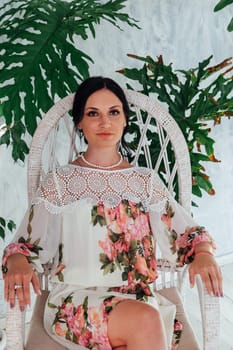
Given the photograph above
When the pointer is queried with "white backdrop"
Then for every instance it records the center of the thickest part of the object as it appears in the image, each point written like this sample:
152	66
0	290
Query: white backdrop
184	32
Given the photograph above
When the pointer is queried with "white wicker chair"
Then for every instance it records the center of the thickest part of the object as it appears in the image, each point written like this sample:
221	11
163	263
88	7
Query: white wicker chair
169	134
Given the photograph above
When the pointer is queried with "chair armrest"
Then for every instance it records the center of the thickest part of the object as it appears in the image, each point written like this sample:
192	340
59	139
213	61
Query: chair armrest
209	304
15	327
210	314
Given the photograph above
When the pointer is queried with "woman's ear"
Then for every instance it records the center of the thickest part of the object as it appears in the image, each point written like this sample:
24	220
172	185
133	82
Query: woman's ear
79	127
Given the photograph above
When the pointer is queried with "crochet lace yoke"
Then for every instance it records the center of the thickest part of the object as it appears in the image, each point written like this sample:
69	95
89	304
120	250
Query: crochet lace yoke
71	183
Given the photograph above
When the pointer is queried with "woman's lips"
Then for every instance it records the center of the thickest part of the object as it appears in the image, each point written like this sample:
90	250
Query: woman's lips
104	134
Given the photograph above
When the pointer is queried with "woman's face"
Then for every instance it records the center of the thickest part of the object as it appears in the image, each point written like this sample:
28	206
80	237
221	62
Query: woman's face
103	119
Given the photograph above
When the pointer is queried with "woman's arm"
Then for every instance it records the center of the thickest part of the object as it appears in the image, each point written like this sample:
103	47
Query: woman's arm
182	240
35	243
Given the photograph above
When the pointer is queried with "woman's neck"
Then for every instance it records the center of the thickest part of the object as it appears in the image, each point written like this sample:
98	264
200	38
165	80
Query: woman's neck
100	166
102	157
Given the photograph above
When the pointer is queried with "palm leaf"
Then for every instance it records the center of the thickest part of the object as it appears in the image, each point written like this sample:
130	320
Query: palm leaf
39	57
220	5
230	26
192	99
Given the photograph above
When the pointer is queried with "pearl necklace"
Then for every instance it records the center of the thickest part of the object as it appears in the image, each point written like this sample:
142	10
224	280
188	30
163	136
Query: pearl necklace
100	166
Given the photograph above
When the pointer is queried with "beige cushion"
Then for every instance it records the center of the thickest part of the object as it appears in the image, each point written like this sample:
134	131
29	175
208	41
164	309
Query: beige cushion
38	338
188	339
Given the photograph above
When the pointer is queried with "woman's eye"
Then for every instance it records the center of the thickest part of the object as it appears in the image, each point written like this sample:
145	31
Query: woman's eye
92	114
114	112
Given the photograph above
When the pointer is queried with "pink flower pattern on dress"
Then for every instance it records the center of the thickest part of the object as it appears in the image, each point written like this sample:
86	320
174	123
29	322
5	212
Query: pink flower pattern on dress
128	246
23	246
84	325
185	243
178	327
30	250
15	248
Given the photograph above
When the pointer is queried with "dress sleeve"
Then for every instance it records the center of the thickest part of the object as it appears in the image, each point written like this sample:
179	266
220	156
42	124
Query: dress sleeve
175	230
39	234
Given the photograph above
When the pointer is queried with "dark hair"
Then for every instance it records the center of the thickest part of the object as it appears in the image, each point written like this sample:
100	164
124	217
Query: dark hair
87	88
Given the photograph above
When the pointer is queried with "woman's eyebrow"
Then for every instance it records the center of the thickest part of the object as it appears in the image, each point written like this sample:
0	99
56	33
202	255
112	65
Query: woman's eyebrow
91	108
116	106
95	108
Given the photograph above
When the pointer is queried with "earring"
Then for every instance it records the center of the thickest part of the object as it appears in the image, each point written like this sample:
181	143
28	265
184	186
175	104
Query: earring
80	132
119	147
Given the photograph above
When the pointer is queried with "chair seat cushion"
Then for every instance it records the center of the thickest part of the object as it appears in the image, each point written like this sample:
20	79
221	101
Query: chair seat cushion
38	339
188	339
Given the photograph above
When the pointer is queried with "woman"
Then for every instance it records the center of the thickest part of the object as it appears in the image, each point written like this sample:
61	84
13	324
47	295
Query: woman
99	218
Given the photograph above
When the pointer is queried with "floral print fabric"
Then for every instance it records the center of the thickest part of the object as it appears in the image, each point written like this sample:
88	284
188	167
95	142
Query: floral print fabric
24	246
83	324
94	244
86	325
128	246
184	244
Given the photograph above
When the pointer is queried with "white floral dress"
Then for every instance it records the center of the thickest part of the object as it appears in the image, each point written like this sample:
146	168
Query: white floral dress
100	228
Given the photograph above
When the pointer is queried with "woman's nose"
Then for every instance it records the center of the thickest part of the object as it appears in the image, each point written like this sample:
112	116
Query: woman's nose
105	121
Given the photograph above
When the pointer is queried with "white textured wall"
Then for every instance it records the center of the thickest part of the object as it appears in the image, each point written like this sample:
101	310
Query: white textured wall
184	32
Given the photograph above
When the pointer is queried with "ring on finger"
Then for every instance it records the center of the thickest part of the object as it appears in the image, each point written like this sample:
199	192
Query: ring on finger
17	286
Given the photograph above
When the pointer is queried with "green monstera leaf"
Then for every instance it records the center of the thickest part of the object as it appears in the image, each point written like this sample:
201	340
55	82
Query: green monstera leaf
40	57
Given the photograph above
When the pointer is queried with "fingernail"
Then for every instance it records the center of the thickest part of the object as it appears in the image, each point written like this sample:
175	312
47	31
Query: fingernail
11	306
22	308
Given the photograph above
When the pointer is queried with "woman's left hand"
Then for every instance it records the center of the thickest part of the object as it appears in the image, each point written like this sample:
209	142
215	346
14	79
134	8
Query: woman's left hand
206	266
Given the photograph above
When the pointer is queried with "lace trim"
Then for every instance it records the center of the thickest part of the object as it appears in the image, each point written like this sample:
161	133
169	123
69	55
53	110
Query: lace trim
68	184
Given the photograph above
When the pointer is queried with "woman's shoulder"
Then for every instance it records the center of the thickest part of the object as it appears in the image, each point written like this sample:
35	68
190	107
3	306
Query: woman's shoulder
59	172
143	170
54	184
54	179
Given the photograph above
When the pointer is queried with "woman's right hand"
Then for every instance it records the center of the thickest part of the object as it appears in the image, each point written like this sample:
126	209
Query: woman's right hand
17	281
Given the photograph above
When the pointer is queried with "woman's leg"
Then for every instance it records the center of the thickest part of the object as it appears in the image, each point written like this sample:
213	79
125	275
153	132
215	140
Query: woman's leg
134	325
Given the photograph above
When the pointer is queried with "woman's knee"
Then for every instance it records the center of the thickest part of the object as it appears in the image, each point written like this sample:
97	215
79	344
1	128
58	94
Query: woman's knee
149	317
132	318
